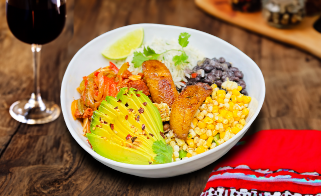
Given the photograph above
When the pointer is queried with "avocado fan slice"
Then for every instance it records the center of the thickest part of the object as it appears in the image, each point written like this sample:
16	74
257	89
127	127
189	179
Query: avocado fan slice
126	128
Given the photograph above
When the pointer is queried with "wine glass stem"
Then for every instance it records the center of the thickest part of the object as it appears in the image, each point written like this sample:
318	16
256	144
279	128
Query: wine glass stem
35	100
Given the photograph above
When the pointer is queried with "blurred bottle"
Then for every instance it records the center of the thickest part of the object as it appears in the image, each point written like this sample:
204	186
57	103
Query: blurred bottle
283	13
246	5
313	7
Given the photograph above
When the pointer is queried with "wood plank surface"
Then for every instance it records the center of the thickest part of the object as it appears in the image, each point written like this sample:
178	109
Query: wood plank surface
303	35
45	159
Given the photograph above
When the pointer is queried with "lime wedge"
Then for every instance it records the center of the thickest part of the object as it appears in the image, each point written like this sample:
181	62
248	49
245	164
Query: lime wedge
122	47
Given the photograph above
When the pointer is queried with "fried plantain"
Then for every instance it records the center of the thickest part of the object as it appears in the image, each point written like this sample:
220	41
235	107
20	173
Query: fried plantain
160	82
185	107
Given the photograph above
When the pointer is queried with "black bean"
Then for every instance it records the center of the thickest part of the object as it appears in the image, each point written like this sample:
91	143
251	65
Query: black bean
218	74
242	84
222	60
224	77
230	74
206	61
234	69
235	79
219	66
224	73
211	77
198	78
215	59
218	83
207	80
238	74
244	92
208	68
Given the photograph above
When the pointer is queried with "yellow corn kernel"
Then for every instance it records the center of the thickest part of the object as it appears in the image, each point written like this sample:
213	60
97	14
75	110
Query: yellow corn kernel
237	118
225	126
188	155
195	121
233	98
213	94
235	113
223	112
215	109
221	92
201	124
208	120
225	121
221	96
222	134
235	130
203	136
210	126
220	118
228	129
239	88
239	98
209	141
208	100
239	126
229	115
241	104
235	92
200	149
245	111
214	86
214	132
242	122
220	100
190	142
246	99
231	105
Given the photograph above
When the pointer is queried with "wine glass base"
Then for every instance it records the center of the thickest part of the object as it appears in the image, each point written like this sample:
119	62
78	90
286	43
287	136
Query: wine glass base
21	112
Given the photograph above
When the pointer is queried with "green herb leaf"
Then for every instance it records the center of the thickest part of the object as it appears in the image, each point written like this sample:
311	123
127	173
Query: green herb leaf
180	59
182	154
183	39
163	152
138	59
150	53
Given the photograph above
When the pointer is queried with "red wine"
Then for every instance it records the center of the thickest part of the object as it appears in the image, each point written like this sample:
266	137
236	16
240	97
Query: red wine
34	21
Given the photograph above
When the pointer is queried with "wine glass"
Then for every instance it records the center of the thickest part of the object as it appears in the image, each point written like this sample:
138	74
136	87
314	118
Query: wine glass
35	22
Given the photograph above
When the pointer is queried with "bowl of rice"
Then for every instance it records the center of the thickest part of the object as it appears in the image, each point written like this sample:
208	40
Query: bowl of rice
161	38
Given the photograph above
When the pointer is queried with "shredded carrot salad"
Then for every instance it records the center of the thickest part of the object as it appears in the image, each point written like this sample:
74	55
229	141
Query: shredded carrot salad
103	82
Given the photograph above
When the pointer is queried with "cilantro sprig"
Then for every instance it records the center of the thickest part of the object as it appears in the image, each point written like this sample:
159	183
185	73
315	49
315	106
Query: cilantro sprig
163	152
150	54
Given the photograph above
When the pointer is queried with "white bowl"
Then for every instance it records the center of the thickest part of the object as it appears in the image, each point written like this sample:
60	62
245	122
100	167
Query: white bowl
89	58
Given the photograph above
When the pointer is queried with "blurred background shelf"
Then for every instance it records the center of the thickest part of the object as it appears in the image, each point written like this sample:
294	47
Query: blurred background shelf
303	35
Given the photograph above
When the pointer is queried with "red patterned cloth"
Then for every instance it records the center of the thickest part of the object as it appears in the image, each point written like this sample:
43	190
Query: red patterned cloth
270	162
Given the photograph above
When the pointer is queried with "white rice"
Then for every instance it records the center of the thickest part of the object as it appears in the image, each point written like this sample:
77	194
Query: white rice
160	45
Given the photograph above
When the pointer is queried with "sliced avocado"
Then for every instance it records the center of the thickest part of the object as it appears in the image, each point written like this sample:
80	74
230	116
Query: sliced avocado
126	129
152	109
147	117
111	150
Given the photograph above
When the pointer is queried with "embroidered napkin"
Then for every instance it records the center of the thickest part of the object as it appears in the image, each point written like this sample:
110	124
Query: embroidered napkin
270	162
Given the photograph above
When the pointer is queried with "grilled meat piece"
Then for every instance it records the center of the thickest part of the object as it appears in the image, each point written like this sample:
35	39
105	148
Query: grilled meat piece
185	107
160	82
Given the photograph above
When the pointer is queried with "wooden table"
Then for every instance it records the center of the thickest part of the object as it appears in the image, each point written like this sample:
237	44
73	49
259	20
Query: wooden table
45	159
